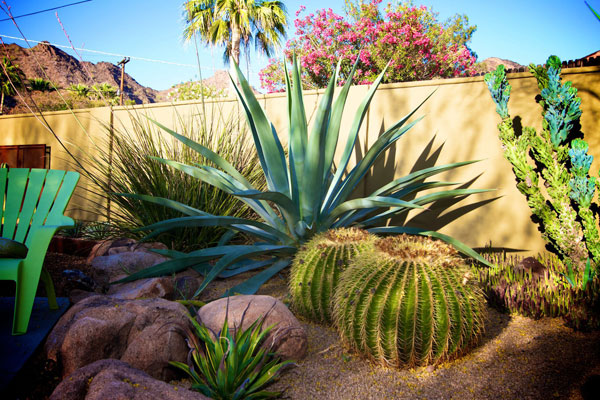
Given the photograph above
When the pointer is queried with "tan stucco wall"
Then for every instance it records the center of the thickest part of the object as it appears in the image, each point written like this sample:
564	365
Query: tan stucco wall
459	124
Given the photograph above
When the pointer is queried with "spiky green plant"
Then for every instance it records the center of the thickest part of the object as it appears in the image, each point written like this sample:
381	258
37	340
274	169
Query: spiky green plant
80	90
544	294
557	158
409	302
307	193
317	266
231	366
39	84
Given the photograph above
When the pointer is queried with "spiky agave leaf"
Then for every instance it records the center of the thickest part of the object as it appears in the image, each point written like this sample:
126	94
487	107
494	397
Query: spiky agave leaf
306	195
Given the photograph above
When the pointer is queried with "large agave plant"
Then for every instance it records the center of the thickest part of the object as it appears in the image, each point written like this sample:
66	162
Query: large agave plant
306	192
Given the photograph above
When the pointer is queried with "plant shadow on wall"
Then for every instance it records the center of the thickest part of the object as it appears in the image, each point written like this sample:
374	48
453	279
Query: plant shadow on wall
305	193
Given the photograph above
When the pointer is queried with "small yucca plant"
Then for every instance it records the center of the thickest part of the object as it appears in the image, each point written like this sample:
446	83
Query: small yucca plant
231	366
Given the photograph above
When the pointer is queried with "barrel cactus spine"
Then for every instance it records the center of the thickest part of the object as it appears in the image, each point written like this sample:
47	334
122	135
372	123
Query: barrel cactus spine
317	266
410	301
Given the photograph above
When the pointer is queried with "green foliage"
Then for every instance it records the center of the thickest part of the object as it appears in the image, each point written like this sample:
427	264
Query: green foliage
80	90
307	193
317	266
195	91
134	167
236	23
10	78
410	301
103	91
555	292
557	158
228	366
592	10
39	84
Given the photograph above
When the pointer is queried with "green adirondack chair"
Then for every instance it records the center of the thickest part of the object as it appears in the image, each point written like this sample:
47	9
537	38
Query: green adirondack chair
32	204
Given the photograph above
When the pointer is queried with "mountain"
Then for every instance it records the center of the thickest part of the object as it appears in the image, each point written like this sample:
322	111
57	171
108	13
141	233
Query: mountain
63	70
490	64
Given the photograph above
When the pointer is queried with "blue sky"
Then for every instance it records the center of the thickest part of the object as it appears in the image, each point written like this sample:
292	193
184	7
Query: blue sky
520	30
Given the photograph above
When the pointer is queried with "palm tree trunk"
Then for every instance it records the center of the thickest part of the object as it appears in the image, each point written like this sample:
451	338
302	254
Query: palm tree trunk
234	56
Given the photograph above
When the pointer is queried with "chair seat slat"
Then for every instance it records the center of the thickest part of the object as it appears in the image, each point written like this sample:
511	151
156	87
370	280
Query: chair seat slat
32	194
17	181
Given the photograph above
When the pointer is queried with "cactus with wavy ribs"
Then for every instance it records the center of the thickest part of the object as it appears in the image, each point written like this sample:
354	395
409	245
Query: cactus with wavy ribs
410	301
557	158
317	266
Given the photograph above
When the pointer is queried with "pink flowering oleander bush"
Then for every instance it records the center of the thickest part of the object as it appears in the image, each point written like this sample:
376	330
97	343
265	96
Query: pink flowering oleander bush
411	39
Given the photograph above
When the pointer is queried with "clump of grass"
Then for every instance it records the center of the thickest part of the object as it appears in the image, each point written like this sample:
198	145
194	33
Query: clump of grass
132	167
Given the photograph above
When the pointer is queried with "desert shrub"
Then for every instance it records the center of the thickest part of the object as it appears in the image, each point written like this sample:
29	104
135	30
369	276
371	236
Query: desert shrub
195	91
39	84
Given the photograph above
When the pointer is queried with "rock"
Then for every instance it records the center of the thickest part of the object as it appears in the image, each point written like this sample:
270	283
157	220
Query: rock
114	379
140	332
109	247
110	268
143	289
76	295
185	287
290	340
537	269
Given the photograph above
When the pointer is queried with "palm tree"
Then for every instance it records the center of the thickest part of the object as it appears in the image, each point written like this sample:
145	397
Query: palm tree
235	23
10	77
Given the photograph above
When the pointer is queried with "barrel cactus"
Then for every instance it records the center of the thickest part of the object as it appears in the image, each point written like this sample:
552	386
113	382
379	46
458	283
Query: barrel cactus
410	302
317	266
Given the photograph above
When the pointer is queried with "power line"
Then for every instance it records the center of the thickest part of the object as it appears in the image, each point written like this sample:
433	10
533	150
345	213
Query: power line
110	54
41	11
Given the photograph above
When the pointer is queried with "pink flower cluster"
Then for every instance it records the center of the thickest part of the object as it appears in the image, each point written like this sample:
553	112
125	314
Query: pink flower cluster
409	38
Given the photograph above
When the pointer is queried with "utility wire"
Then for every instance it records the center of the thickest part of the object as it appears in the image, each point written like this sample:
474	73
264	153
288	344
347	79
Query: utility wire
41	11
110	54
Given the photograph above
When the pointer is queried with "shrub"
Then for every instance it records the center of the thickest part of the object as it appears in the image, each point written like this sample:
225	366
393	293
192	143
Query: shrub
543	293
80	90
134	168
410	301
195	91
103	91
411	39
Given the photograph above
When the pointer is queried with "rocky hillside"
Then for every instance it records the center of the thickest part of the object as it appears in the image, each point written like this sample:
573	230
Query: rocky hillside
491	63
63	70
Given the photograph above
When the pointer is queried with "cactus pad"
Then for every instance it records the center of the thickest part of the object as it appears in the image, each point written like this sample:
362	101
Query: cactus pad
410	301
316	269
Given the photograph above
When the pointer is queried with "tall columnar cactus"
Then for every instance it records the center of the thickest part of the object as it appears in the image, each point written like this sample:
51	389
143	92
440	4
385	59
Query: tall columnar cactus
558	158
410	301
317	266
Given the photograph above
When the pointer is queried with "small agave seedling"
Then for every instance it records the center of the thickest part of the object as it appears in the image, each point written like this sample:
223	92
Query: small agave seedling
307	193
410	301
230	365
317	266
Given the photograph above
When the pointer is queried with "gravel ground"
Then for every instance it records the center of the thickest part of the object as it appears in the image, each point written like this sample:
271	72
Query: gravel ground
517	358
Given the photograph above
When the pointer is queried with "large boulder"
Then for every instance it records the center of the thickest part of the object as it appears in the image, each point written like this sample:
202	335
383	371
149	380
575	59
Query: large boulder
114	379
140	332
106	269
288	335
162	287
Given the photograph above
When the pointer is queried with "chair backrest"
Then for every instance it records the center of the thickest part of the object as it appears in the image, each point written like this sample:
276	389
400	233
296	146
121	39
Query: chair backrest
33	197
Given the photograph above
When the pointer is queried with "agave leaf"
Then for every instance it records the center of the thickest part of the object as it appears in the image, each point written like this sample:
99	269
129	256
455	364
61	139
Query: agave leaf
166	268
267	231
298	133
207	153
312	185
357	122
368	202
251	285
236	255
175	205
271	153
333	132
286	204
458	245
